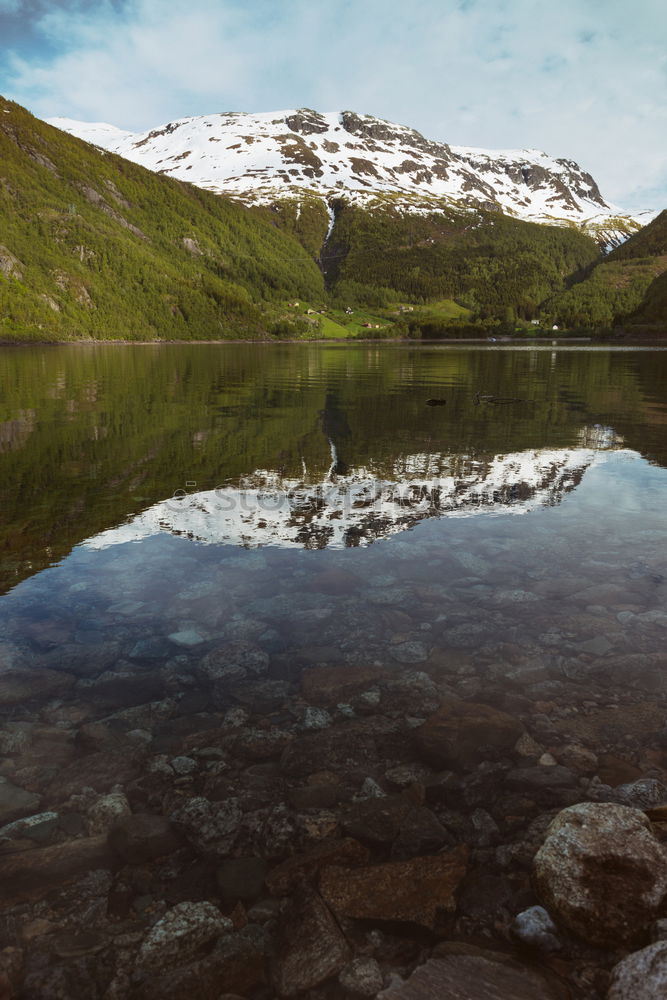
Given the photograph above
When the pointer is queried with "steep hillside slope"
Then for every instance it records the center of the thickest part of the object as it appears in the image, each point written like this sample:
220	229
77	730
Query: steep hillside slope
271	155
651	241
94	246
484	260
653	310
627	287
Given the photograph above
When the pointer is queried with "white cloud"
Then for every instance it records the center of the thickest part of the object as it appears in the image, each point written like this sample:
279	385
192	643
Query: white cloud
584	79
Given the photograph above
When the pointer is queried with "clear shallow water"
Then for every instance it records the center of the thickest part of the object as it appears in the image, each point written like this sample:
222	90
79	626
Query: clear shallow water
160	502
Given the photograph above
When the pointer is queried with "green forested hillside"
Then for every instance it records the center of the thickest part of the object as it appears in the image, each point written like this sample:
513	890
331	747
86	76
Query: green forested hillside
92	245
626	288
487	261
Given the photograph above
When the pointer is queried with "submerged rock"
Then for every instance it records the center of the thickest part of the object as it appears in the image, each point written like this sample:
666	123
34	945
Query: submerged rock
642	974
312	949
39	828
362	977
646	793
141	837
306	867
475	974
602	872
461	733
327	686
19	685
535	928
15	802
547	784
32	874
376	821
409	652
181	933
421	891
234	965
211	827
241	878
104	812
232	663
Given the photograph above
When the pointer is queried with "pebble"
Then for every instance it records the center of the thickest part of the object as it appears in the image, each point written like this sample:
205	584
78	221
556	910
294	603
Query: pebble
362	977
409	652
535	928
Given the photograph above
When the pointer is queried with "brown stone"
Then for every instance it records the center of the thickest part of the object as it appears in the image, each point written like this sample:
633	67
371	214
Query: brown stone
305	867
11	963
613	770
602	872
140	837
420	891
17	685
461	733
49	746
376	821
469	973
99	771
260	744
611	725
312	796
122	688
312	948
16	802
328	686
31	875
236	965
361	745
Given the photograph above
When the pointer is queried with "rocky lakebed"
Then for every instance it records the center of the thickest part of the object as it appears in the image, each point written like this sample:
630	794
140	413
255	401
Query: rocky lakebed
216	816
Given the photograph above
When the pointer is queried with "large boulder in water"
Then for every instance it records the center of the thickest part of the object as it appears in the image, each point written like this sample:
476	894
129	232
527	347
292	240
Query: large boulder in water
602	872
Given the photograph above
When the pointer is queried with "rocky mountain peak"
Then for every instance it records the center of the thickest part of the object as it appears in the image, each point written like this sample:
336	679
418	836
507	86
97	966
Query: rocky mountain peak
260	158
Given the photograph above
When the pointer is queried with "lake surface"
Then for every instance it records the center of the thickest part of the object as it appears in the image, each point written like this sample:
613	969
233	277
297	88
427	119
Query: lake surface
264	611
157	501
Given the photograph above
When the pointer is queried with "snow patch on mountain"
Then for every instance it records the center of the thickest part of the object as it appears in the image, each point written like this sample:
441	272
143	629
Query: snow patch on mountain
270	155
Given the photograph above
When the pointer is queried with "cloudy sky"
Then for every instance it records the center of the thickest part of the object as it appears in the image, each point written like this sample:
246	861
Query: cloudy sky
584	79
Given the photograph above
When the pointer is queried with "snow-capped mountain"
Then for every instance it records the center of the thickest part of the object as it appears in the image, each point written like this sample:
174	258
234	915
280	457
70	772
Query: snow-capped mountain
261	157
360	507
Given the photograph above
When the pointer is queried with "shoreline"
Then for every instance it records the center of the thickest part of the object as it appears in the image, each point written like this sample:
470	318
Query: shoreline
350	342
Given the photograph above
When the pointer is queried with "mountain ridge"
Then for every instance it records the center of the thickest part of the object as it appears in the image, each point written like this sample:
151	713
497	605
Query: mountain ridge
261	157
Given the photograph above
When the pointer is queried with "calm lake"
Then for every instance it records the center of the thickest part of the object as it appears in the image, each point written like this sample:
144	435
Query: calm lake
237	585
156	500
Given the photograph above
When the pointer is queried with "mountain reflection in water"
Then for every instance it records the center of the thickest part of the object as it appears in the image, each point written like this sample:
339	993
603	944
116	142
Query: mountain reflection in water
357	508
94	441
